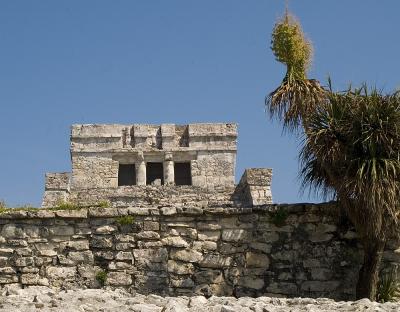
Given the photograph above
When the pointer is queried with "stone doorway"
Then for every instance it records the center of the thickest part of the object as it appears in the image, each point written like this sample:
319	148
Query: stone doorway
154	173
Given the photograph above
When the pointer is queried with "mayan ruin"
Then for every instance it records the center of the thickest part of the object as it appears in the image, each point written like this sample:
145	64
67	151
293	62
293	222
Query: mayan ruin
200	156
126	164
156	210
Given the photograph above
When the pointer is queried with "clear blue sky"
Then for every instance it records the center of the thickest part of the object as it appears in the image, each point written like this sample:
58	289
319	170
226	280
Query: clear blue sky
64	62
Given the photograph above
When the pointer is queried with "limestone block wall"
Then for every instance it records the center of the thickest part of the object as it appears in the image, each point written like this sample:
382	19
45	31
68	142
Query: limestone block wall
211	170
57	188
185	250
94	171
254	189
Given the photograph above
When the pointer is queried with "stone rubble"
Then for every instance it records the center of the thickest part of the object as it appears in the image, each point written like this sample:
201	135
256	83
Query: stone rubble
40	298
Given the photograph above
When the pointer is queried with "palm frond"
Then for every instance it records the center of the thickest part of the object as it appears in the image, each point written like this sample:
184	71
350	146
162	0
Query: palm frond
352	149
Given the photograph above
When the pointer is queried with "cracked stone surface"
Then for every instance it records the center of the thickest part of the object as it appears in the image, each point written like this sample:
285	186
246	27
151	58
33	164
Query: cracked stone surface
46	299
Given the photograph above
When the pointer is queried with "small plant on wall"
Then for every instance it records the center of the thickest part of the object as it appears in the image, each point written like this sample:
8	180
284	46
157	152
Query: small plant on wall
101	277
125	220
278	217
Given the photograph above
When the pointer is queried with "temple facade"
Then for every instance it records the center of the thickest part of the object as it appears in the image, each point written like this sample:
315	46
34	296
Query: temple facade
132	164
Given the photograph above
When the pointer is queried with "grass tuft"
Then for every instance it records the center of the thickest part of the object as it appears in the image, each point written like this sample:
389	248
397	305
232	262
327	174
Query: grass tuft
125	220
101	277
278	217
388	287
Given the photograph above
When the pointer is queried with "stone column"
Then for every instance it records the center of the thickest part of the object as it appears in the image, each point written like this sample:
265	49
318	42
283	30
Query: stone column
169	176
141	170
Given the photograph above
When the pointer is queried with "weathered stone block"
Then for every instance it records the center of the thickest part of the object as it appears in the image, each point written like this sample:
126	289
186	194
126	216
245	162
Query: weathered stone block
81	256
321	274
103	212
59	275
150	255
181	231
168	211
106	229
23	261
12	231
285	255
209	277
101	242
209	235
266	248
251	282
103	255
204	245
318	237
174	241
318	286
76	245
23	252
47	252
151	226
73	214
62	230
209	225
235	235
33	279
123	256
257	260
7	270
118	279
186	255
270	237
283	288
6	251
215	261
147	235
312	263
122	266
231	248
178	267
8	279
182	283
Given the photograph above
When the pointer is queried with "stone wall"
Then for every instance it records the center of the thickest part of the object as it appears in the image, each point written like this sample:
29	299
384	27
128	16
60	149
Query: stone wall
253	189
290	250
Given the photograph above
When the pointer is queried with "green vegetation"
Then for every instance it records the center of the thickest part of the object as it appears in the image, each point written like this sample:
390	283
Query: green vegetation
352	151
291	47
296	96
351	146
278	217
125	220
388	287
101	277
62	205
104	204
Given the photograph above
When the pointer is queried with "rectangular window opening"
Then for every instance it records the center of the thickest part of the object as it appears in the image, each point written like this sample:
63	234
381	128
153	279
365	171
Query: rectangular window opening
126	174
154	173
182	173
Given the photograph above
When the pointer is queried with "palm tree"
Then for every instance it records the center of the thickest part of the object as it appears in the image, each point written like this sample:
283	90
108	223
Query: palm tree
352	150
351	146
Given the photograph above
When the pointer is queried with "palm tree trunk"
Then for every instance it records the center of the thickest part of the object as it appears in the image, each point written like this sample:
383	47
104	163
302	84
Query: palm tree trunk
368	275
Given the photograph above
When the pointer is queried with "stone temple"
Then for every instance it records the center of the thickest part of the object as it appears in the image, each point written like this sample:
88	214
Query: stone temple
142	164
